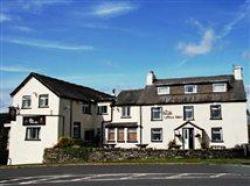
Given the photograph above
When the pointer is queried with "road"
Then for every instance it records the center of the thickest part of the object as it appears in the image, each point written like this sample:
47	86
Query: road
133	175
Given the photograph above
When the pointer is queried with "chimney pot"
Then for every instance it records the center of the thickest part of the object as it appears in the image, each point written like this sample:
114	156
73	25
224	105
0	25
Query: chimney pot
237	72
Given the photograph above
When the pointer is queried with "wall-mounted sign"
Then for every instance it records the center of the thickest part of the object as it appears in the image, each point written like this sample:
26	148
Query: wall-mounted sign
169	115
34	120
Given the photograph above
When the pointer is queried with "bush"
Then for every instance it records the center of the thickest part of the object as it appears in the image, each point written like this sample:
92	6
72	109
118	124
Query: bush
64	142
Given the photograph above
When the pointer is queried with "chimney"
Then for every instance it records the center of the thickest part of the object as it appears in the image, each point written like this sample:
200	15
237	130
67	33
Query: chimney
150	78
237	72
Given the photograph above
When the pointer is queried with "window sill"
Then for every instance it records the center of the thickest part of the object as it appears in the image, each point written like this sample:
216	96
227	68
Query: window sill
26	108
43	106
32	139
132	141
120	141
215	118
156	119
217	141
110	141
102	114
156	141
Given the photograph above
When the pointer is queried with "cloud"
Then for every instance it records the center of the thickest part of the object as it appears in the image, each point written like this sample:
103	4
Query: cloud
17	69
4	18
23	29
246	55
203	47
243	12
111	9
48	44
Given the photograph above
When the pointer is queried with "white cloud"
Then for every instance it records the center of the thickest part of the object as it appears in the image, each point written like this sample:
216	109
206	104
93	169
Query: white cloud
23	29
48	44
110	9
243	12
4	18
17	69
246	55
203	47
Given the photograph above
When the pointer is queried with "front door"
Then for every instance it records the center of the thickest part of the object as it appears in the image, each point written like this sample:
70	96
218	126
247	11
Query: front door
188	138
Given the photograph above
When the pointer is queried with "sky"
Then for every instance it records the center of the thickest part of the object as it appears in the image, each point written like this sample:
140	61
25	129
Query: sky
113	44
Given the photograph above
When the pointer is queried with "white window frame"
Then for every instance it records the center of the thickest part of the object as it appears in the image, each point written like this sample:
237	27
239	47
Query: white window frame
186	87
42	100
126	112
28	135
152	114
156	131
101	110
163	90
217	132
188	109
223	87
26	98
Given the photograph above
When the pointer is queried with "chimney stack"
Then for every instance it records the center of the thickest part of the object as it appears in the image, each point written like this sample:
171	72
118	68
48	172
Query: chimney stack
237	72
150	78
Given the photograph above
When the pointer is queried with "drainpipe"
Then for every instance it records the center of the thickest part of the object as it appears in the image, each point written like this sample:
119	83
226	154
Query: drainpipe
140	124
70	119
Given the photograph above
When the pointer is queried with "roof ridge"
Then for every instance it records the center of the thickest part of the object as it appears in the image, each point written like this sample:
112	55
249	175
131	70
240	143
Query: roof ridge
191	77
74	84
136	89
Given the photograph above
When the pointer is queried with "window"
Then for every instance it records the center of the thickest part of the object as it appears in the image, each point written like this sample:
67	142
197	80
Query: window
219	87
44	100
163	90
89	135
217	135
188	112
34	120
33	133
111	135
102	110
26	102
86	108
125	112
189	89
156	113
215	112
120	135
132	135
156	135
77	130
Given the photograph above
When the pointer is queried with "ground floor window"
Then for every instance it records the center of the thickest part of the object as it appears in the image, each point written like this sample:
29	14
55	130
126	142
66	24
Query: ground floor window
156	135
89	135
132	135
77	130
120	135
216	135
111	135
33	133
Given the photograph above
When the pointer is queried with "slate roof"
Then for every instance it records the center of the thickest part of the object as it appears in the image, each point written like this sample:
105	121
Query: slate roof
122	125
67	90
149	96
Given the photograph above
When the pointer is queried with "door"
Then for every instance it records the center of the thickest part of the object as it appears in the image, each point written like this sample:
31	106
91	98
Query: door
188	138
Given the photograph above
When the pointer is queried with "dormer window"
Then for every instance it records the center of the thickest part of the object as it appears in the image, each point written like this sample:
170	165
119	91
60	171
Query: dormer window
219	87
26	101
190	89
163	90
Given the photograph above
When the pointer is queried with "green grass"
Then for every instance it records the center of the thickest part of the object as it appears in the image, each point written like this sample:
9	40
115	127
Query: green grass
175	160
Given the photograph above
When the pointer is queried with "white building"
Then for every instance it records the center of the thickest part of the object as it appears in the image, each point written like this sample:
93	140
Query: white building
48	109
188	113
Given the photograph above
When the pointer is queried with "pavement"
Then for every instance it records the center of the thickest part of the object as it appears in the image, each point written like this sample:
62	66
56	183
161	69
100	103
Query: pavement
133	175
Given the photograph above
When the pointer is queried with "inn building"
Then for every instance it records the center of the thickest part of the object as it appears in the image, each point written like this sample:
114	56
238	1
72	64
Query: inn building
187	113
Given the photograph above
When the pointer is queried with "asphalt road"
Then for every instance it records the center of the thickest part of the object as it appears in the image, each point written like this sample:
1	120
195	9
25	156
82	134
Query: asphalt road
133	175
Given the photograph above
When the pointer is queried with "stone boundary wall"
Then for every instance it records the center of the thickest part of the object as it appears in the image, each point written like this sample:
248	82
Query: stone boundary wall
71	155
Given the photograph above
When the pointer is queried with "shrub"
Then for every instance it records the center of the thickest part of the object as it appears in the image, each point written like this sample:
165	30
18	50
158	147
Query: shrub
64	142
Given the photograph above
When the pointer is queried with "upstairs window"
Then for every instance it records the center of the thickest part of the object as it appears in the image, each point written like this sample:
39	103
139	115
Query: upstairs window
215	112
26	102
86	108
102	110
156	113
190	89
216	135
156	135
219	87
188	112
44	100
125	112
163	90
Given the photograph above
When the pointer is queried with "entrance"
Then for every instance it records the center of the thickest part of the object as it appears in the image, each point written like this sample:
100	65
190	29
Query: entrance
188	138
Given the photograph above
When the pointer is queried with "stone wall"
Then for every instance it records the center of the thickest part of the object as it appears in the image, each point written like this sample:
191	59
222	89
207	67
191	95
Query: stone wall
72	155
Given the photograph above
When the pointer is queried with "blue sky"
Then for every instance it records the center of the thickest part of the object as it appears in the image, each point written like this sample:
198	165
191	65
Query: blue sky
113	44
